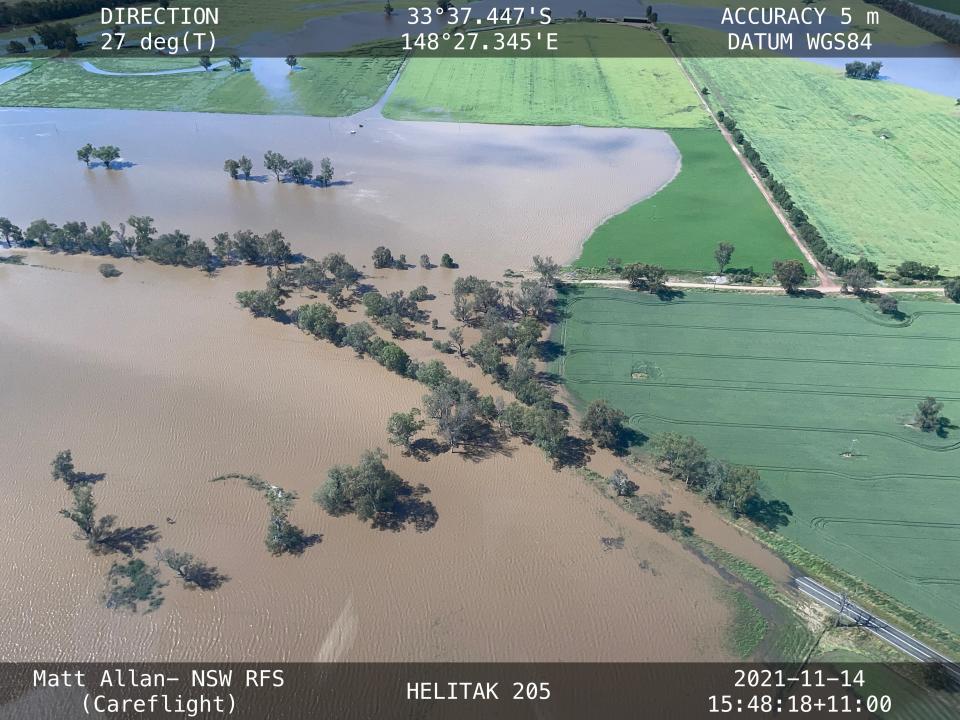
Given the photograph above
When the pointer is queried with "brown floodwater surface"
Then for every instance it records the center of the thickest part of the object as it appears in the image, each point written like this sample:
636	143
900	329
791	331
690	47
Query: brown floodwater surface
490	195
157	379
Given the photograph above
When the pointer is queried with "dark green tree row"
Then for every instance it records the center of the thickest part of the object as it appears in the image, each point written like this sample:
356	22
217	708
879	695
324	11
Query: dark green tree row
933	22
732	487
805	229
383	258
57	36
176	248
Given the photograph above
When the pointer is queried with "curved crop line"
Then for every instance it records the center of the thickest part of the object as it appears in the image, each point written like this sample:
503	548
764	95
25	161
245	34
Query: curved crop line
950	599
820	521
784	391
798	428
856	478
576	349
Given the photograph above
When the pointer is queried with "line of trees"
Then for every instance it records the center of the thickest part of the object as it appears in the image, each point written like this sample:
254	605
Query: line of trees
732	487
805	229
461	416
57	36
933	22
299	171
139	238
105	154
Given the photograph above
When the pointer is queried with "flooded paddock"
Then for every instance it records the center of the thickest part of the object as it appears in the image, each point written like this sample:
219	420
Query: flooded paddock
492	196
158	380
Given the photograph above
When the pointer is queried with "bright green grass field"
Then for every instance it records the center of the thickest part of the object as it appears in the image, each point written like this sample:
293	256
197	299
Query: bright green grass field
326	87
711	200
791	386
876	165
647	90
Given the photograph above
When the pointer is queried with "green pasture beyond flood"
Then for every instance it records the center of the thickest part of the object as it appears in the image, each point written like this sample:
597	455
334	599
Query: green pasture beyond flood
874	164
816	393
712	200
591	83
329	86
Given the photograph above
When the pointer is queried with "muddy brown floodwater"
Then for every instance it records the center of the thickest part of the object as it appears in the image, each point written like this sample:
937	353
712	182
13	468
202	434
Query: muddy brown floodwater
157	379
490	195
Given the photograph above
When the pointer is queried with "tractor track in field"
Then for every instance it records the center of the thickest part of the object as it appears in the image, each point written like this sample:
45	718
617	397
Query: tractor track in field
814	390
797	428
575	350
771	331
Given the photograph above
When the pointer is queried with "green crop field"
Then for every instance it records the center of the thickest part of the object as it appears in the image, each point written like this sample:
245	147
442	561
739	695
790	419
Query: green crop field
680	226
874	164
819	395
580	88
331	86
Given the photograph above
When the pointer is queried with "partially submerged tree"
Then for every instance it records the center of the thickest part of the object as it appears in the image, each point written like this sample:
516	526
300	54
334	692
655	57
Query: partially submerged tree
368	489
549	270
85	154
621	484
300	170
275	163
231	167
107	154
383	258
191	570
262	303
245	165
401	427
63	470
326	172
131	583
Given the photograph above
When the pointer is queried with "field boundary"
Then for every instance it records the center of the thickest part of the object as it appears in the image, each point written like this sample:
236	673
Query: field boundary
827	281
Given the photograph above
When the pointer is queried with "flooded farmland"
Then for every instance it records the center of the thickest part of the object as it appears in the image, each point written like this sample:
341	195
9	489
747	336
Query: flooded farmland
491	196
159	381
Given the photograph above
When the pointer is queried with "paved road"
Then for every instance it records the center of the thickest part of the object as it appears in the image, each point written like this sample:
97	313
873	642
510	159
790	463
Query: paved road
899	639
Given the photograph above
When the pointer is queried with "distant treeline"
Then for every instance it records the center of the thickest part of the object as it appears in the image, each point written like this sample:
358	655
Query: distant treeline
805	229
38	11
936	23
